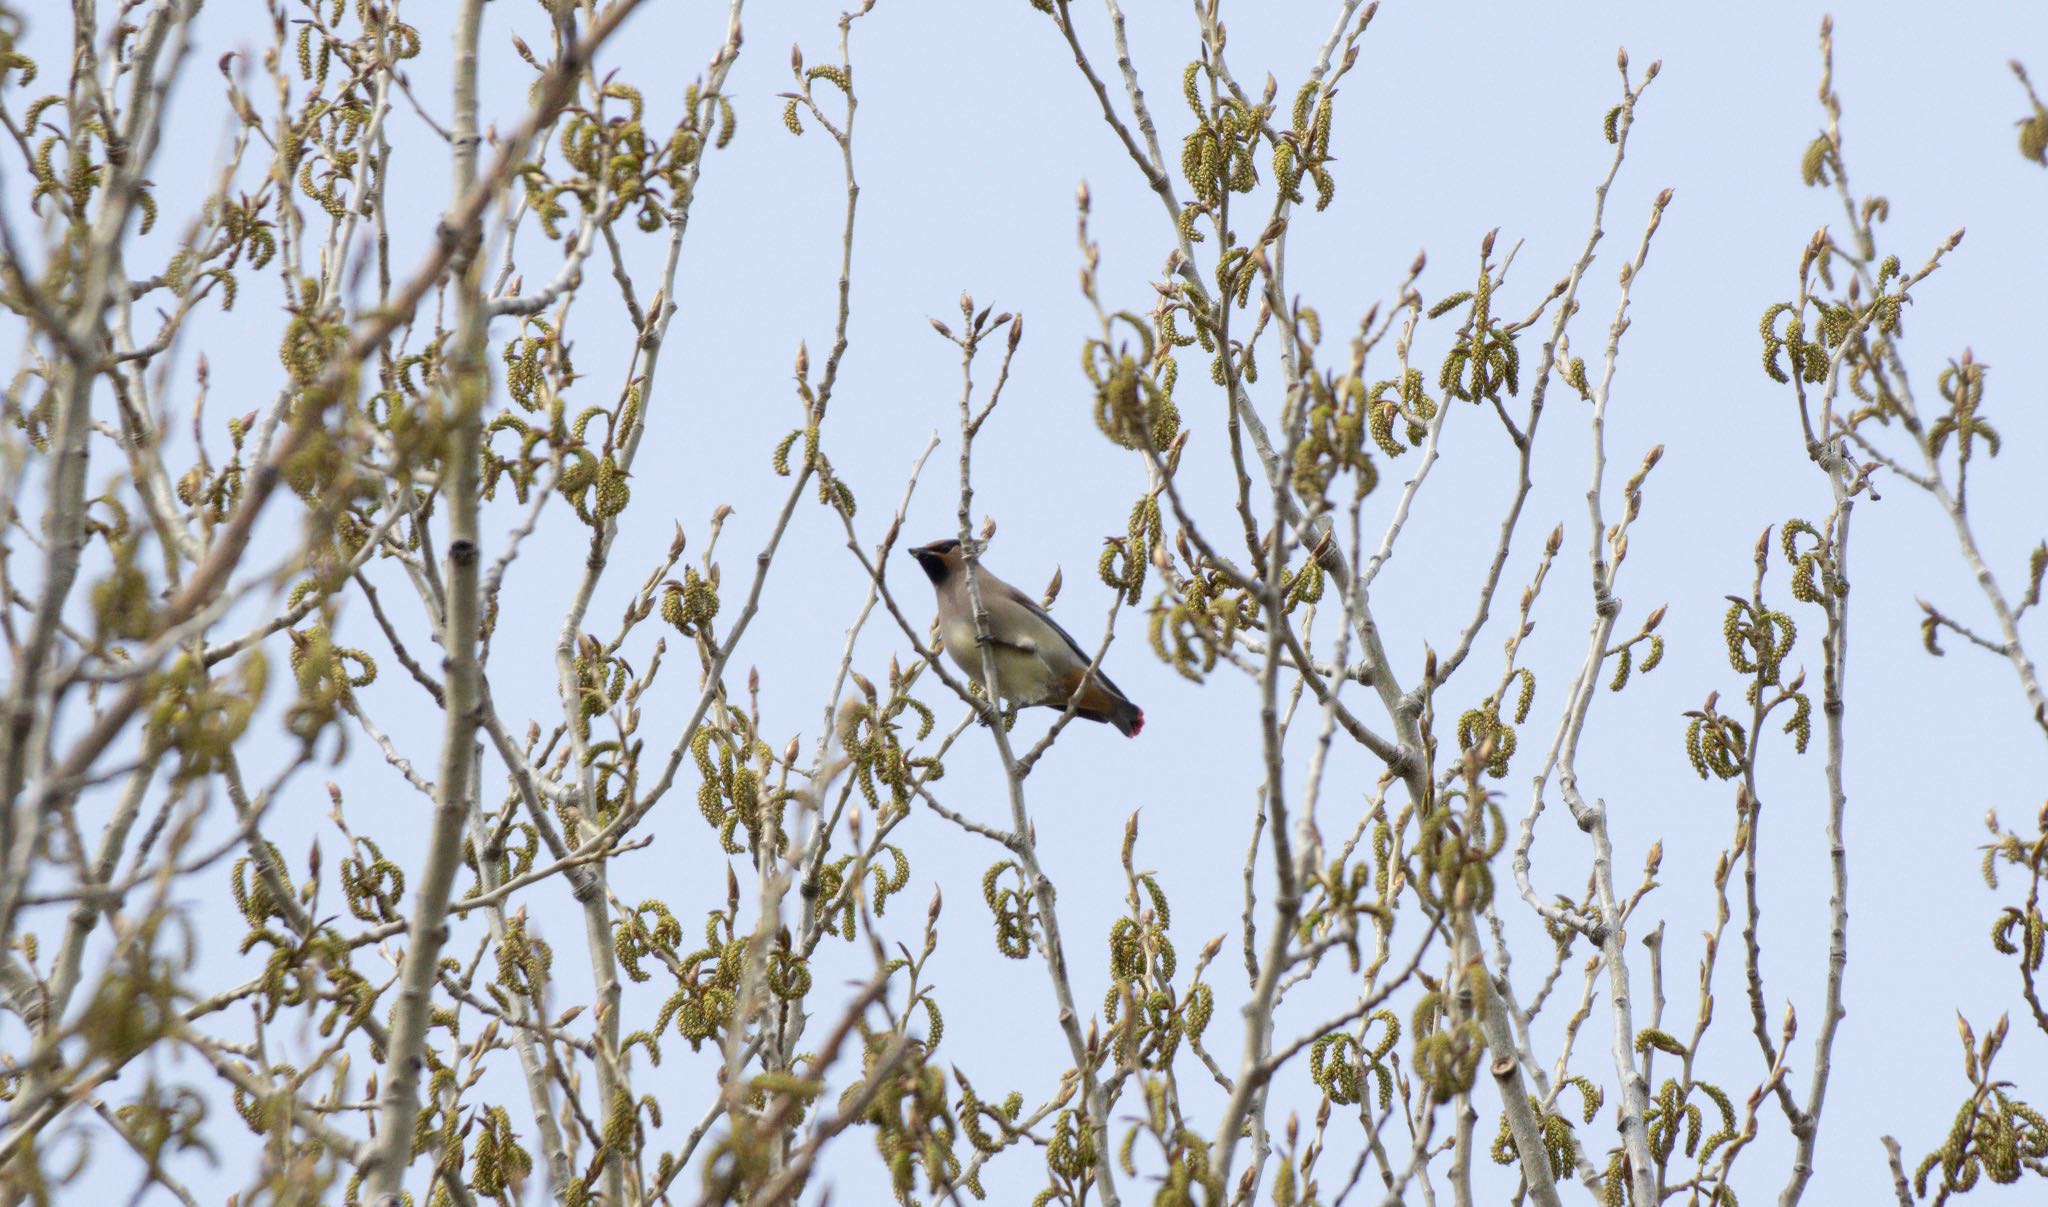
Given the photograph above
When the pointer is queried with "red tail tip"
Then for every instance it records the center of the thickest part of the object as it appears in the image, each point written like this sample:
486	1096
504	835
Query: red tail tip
1137	724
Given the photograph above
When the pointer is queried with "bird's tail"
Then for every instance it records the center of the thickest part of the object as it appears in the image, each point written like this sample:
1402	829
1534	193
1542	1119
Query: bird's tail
1101	701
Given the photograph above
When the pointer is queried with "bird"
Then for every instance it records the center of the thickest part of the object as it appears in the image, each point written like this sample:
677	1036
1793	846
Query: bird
1037	663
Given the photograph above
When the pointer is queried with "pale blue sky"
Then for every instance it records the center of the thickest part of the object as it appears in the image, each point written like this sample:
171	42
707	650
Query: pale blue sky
974	130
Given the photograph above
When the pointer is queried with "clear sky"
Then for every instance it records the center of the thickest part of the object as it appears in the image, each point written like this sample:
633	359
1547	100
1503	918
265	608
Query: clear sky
974	129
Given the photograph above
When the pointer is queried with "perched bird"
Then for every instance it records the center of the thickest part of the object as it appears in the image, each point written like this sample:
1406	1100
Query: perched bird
1036	662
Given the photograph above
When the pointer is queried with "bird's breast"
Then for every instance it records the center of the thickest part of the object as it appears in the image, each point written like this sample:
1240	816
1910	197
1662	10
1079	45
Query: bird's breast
1022	677
958	635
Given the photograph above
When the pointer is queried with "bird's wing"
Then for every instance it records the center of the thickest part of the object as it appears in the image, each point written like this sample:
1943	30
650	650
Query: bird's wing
1006	595
1009	594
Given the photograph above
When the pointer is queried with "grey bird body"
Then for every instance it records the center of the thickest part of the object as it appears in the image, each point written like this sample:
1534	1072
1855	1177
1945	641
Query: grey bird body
1036	662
